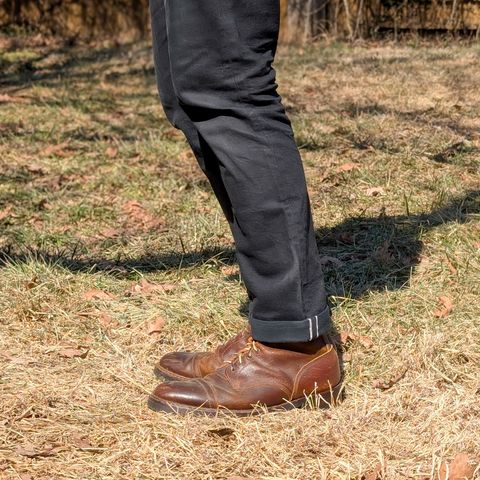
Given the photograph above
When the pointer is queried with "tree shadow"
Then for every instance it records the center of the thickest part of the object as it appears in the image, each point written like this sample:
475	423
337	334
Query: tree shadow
360	255
21	73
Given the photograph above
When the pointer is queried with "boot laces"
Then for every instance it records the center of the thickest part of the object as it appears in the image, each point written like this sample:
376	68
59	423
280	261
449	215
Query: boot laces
246	351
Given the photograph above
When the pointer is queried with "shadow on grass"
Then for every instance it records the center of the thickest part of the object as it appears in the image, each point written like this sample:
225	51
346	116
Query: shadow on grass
361	254
21	73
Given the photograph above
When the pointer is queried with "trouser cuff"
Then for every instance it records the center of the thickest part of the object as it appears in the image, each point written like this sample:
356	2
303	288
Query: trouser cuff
283	331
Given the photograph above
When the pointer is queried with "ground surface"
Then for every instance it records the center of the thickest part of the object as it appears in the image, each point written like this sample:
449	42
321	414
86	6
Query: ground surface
108	231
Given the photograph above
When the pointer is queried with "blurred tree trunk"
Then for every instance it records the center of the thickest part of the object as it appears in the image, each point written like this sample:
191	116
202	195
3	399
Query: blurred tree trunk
14	9
303	20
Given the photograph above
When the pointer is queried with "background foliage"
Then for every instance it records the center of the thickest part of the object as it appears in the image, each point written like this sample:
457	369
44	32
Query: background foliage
302	19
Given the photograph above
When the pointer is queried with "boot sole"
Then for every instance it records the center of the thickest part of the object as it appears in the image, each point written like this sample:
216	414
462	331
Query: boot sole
324	400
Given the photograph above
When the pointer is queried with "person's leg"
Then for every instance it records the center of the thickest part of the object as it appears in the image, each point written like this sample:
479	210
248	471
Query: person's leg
220	55
174	112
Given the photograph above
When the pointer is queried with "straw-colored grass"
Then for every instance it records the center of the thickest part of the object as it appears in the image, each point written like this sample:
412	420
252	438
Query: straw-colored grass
98	192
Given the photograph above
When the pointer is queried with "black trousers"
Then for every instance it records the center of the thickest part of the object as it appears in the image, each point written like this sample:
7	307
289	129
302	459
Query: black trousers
213	61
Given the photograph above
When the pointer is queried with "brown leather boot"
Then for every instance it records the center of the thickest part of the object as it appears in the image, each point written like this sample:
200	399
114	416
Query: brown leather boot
257	375
186	365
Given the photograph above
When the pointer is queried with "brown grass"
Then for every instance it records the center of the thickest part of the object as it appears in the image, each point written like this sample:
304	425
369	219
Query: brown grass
83	138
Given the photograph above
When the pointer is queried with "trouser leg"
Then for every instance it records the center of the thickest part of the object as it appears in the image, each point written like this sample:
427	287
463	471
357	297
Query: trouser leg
220	55
174	112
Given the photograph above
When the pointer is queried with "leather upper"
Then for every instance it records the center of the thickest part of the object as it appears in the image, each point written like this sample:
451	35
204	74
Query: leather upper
199	364
259	374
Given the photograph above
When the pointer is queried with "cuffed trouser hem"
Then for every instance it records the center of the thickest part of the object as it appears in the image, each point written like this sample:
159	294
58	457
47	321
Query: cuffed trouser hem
280	331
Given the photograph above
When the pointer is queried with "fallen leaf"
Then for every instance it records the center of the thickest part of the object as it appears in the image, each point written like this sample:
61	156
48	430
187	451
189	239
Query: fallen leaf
111	152
140	217
132	206
386	385
347	357
462	467
145	287
347	238
44	204
32	283
110	233
57	150
81	441
383	255
346	167
28	450
96	294
230	270
375	191
5	212
156	326
73	353
346	337
366	342
334	261
5	98
451	266
34	168
445	308
167	287
221	432
106	320
375	474
173	133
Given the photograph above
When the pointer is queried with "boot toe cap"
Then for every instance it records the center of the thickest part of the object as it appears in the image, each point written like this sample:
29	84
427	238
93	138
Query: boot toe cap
188	393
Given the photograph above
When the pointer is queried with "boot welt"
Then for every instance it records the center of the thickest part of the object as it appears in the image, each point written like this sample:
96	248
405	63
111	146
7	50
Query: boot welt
324	400
164	374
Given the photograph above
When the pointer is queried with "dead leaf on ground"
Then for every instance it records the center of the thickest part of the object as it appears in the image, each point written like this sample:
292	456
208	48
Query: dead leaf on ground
139	215
25	476
451	266
156	326
6	98
5	212
32	283
80	441
35	168
30	451
462	467
73	353
221	432
145	287
383	255
105	319
57	150
445	308
111	152
375	474
346	337
375	191
230	270
387	384
346	167
110	233
334	261
96	294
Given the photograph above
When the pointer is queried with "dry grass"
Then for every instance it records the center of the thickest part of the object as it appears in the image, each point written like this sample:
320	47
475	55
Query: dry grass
83	137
